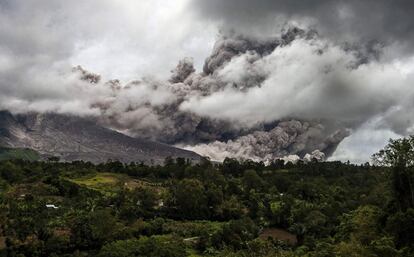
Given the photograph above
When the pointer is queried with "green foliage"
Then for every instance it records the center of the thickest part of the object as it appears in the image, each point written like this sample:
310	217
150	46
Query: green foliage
122	248
10	172
237	208
399	154
18	153
189	199
150	247
251	180
401	226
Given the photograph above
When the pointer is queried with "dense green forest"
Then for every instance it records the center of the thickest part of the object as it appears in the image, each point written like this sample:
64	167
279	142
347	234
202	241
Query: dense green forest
235	208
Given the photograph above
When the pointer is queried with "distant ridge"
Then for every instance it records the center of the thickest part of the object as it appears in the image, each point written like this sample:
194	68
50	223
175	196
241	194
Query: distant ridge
75	138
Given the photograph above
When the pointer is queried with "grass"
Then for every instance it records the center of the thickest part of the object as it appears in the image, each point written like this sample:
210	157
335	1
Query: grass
102	182
193	253
110	182
18	153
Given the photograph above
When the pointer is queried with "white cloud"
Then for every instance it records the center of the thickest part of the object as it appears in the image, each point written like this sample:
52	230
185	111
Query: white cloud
363	143
308	80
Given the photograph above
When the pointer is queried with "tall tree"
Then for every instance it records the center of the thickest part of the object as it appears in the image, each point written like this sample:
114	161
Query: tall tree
399	155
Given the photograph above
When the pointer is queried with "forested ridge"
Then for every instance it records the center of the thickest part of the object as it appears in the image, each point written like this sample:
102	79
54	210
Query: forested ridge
235	208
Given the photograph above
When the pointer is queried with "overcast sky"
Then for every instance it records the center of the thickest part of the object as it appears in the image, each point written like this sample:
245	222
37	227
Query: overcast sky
122	39
127	40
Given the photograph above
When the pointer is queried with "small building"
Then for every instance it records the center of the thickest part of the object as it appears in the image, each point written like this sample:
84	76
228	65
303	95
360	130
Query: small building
51	206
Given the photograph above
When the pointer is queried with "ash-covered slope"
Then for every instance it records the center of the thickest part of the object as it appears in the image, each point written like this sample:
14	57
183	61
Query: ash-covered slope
74	138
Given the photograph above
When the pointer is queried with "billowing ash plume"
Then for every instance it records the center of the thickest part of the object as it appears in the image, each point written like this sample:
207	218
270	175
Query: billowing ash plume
86	75
184	69
234	45
287	138
160	113
263	98
296	95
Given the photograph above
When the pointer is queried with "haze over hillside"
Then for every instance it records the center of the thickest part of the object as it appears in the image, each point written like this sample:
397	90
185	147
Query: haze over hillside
73	138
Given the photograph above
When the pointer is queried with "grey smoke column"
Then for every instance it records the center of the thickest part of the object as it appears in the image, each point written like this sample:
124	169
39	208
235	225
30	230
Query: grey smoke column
169	123
184	68
287	138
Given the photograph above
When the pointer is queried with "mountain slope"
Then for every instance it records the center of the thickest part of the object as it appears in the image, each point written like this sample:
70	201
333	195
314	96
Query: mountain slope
18	153
74	138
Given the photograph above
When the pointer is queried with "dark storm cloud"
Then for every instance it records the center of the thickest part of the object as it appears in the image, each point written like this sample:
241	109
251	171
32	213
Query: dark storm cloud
382	20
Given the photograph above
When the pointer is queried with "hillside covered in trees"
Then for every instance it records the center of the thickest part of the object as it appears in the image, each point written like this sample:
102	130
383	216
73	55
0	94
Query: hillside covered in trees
235	208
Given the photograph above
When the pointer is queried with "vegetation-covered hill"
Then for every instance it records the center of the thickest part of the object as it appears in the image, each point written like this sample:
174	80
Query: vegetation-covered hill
229	209
18	153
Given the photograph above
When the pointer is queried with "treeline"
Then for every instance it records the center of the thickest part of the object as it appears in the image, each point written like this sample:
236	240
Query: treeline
235	208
